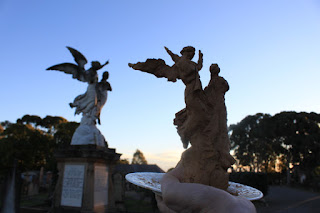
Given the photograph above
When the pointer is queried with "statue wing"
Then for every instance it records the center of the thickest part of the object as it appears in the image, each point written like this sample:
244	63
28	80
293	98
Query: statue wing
78	57
157	67
68	68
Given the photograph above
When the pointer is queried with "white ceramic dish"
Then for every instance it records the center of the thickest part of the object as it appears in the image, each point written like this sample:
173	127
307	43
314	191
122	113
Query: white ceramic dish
151	181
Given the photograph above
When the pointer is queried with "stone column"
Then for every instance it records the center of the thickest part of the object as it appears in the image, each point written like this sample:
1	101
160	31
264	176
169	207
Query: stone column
84	184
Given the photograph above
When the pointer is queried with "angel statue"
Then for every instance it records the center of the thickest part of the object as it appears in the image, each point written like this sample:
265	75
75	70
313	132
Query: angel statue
203	121
91	102
186	70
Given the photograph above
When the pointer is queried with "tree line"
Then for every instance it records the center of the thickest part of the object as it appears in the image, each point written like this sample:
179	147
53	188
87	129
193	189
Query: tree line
288	139
260	142
31	141
138	158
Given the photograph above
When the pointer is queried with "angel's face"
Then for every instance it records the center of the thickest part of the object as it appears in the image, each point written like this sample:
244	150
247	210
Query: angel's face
95	64
189	54
105	75
214	69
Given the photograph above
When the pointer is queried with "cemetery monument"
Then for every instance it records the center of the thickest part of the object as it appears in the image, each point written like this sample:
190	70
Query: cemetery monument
85	167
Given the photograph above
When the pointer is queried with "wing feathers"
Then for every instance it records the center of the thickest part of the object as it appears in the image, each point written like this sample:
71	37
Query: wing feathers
158	68
78	57
68	68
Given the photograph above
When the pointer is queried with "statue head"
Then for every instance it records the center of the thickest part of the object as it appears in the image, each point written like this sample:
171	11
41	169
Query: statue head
95	65
105	75
188	51
214	69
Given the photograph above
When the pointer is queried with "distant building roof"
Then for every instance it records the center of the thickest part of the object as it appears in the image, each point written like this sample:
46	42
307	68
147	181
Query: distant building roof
130	168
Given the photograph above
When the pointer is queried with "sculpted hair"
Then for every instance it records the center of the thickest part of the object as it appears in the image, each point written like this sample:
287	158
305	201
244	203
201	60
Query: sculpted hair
187	49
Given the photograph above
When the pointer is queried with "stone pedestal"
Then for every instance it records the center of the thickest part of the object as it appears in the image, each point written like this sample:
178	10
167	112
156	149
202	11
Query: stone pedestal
84	183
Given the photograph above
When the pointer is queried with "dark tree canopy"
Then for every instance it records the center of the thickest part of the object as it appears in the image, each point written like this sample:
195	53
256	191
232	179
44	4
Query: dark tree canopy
258	140
64	132
299	134
252	146
123	161
30	119
138	158
26	144
32	140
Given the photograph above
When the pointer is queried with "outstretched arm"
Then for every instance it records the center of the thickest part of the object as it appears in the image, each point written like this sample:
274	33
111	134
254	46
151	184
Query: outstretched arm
174	57
200	61
107	62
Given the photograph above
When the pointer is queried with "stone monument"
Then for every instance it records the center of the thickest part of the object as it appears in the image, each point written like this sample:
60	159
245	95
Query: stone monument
85	167
203	122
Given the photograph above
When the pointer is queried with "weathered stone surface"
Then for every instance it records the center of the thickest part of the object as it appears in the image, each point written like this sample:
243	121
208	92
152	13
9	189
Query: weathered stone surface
86	169
203	123
88	152
88	134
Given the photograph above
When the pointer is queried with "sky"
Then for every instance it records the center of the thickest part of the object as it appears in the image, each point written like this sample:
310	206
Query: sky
267	50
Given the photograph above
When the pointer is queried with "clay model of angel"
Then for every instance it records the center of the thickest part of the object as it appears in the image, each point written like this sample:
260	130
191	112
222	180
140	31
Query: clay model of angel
183	69
203	121
186	70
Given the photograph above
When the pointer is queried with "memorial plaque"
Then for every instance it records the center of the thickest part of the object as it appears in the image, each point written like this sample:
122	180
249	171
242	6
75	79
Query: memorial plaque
100	185
72	187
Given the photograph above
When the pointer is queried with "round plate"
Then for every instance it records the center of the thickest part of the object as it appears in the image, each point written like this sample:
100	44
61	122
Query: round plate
151	181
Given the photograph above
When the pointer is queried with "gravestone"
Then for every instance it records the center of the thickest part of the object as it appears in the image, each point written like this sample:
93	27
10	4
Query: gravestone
84	183
118	182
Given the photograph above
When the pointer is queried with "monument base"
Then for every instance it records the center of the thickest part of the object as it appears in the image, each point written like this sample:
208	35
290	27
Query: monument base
84	184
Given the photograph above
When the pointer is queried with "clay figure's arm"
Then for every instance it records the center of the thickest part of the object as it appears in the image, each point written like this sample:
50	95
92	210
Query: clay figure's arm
200	61
174	57
107	62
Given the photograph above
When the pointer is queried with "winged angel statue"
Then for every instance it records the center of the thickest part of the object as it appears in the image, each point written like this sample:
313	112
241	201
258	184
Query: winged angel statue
203	122
91	102
188	71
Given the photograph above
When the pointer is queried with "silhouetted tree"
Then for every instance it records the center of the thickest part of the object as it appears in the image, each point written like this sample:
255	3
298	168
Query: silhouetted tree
34	120
299	134
293	137
30	146
5	124
48	123
123	161
52	122
138	158
31	140
64	133
251	142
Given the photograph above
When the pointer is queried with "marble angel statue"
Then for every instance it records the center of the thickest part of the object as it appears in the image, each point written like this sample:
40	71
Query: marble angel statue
91	102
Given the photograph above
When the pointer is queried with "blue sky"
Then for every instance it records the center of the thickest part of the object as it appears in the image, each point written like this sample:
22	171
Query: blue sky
268	51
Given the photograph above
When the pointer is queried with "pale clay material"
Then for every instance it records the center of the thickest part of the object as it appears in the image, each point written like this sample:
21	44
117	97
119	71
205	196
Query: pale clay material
203	123
91	102
151	181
